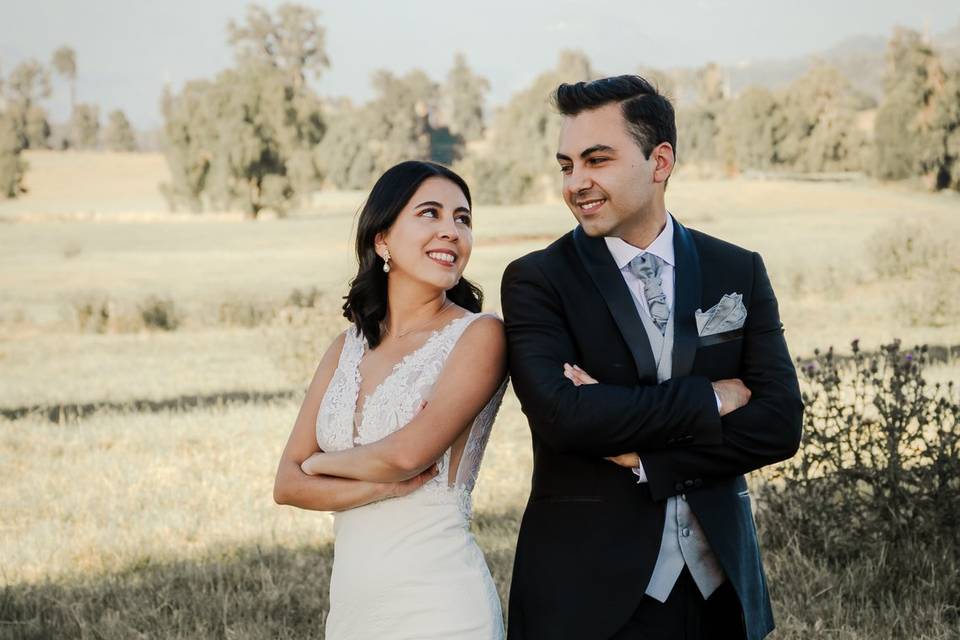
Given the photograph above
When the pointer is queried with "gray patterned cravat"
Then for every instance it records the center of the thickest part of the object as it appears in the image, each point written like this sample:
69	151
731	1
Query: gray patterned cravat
647	267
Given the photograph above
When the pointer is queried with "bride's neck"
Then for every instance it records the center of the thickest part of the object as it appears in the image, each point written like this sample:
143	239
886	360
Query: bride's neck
410	306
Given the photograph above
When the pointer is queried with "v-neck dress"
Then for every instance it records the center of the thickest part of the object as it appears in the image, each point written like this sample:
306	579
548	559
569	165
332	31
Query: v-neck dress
407	567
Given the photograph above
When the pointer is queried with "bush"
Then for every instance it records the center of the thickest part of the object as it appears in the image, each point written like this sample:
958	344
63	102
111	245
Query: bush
159	313
879	473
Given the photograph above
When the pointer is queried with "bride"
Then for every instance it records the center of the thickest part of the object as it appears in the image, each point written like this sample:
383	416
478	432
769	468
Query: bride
395	421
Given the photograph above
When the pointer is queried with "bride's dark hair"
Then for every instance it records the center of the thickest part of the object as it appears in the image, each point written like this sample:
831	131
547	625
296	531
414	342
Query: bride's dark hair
366	302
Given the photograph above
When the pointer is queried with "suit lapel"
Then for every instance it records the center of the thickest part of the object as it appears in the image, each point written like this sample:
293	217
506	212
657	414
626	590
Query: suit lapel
603	270
687	292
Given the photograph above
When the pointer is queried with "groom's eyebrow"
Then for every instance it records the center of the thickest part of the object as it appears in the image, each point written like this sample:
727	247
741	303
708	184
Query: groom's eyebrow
594	149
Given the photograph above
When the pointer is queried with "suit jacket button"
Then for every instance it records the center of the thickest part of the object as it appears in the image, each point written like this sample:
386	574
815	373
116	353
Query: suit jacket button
678	486
689	483
697	482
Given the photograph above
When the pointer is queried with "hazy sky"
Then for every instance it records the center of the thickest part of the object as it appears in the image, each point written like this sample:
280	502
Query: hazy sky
128	49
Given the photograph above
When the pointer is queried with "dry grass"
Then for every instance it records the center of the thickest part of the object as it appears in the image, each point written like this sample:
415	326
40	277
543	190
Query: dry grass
161	524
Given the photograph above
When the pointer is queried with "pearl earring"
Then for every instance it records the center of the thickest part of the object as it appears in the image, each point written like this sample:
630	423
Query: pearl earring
386	262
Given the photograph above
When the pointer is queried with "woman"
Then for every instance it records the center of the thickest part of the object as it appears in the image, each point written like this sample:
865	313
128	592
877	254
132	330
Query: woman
394	424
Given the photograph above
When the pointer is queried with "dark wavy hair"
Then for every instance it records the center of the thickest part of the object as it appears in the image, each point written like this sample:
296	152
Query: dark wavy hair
366	302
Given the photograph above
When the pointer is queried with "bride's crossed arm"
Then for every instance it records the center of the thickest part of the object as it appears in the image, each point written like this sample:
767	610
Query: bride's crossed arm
323	493
473	372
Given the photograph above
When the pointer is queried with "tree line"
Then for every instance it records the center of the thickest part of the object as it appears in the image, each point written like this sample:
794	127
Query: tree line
25	124
258	135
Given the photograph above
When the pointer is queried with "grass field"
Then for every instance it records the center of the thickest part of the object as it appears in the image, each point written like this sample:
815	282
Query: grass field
161	523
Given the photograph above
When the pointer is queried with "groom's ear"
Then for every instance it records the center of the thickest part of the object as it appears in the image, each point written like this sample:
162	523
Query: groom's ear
662	154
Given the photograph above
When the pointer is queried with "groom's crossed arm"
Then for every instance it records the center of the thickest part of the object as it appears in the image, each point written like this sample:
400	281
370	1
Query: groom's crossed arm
602	419
765	430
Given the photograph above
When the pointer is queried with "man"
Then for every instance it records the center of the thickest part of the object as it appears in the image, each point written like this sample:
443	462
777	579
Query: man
650	362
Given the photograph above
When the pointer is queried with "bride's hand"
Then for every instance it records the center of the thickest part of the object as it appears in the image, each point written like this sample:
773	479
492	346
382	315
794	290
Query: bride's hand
577	375
409	486
628	460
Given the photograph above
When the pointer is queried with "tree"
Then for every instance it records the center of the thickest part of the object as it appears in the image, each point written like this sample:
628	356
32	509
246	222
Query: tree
947	120
64	62
820	133
118	135
85	126
395	126
463	95
189	144
293	40
247	138
519	162
29	83
12	166
907	140
750	129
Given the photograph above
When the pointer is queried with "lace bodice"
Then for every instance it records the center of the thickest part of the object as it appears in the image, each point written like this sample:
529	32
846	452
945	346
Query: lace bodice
342	422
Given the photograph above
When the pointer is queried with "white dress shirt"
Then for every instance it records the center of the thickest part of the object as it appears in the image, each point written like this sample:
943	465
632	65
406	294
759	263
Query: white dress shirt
662	247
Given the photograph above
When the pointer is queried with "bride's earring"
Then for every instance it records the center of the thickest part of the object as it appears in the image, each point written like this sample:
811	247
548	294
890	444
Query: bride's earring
386	261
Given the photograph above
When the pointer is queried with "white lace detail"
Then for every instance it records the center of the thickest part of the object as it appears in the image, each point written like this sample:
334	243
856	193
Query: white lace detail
395	402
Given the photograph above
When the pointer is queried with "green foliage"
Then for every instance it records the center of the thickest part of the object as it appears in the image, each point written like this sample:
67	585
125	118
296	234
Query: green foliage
118	135
917	122
518	160
292	41
64	62
819	129
85	126
463	96
698	133
12	165
246	138
879	471
946	119
159	313
27	85
749	131
365	141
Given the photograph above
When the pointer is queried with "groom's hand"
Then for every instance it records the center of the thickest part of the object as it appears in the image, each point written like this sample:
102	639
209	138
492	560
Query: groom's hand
733	394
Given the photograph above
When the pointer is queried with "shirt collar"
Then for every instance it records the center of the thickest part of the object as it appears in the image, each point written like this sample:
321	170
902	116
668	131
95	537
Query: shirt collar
662	247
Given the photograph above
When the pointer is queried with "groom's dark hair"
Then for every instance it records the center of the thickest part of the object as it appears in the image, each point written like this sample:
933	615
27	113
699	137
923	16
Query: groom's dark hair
648	113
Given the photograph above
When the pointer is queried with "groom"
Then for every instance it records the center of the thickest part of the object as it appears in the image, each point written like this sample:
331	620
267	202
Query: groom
650	362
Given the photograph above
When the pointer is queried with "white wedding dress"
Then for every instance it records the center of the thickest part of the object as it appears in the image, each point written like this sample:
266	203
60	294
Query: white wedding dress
408	567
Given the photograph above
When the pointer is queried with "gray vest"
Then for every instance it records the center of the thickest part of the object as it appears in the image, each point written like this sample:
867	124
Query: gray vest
683	541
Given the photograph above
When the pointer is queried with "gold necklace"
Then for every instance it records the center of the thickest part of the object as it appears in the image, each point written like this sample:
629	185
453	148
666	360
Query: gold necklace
446	305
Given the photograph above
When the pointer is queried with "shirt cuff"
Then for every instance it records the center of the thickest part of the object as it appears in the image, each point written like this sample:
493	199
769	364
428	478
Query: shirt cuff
717	396
640	473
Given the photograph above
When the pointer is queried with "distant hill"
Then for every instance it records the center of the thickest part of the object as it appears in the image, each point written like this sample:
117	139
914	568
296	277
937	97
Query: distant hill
860	58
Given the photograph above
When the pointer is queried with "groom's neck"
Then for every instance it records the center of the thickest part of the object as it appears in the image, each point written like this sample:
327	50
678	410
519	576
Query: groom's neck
645	226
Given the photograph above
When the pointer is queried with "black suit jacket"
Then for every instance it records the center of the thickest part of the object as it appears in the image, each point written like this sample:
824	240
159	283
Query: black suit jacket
590	535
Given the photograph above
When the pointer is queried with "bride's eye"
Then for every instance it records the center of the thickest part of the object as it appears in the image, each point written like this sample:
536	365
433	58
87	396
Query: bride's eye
431	211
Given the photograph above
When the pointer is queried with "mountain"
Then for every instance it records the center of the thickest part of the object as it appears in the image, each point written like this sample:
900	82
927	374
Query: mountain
860	58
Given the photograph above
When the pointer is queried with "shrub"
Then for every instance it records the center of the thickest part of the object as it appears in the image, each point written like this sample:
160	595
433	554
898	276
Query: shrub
879	471
159	313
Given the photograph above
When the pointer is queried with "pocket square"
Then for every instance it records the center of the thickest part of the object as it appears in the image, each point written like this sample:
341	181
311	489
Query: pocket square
727	315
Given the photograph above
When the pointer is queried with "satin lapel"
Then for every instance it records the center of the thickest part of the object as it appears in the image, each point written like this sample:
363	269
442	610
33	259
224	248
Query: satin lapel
603	270
687	292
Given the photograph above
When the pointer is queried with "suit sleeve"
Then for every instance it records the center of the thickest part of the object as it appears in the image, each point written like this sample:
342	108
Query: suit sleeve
596	419
765	431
